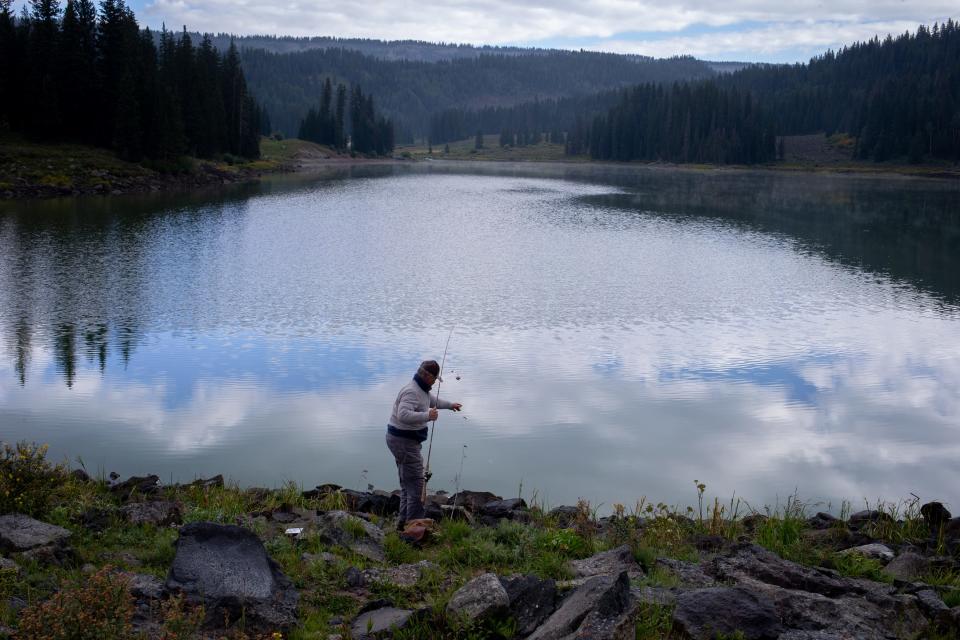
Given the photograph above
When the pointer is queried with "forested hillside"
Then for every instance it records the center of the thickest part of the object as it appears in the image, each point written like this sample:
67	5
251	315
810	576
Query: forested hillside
898	97
409	92
76	74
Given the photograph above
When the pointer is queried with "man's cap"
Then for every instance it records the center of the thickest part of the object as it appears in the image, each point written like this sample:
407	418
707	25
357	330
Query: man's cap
431	367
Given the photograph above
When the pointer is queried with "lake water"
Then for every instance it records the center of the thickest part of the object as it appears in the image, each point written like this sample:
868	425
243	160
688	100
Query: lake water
617	332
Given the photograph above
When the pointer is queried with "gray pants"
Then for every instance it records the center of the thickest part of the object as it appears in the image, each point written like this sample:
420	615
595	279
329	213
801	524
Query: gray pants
410	465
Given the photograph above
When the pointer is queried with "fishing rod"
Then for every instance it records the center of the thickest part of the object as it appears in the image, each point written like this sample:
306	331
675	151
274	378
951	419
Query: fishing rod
427	474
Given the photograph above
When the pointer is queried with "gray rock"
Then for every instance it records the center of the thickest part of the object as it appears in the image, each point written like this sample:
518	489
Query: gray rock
404	575
136	485
610	562
161	513
354	578
144	586
822	520
931	603
660	596
862	518
599	626
689	575
608	596
209	483
228	570
482	597
532	600
753	562
564	515
907	566
875	551
797	634
357	535
705	613
378	621
22	533
473	501
809	598
503	508
6	564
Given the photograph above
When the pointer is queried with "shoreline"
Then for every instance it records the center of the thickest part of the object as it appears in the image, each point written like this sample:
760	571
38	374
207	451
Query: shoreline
178	558
498	567
36	172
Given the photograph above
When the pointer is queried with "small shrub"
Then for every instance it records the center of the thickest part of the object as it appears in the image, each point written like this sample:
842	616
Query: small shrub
565	542
855	565
27	480
180	622
99	609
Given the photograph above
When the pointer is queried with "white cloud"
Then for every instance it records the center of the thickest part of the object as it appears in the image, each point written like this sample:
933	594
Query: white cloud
810	23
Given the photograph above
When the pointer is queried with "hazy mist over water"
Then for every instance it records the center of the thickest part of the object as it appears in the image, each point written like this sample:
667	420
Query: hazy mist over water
617	331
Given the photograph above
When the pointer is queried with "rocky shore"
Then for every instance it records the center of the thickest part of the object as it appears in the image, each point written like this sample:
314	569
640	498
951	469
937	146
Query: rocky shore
205	560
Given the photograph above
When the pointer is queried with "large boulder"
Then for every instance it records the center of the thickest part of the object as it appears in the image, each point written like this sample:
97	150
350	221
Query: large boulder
227	569
356	534
808	598
599	598
610	562
20	533
908	566
703	614
482	597
532	600
160	513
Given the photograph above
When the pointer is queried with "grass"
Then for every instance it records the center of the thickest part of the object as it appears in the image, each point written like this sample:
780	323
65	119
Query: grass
465	150
459	551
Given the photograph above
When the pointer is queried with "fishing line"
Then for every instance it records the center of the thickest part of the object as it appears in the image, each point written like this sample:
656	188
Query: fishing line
427	474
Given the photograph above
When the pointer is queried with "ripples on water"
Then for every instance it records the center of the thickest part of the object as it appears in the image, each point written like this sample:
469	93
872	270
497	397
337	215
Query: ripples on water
617	332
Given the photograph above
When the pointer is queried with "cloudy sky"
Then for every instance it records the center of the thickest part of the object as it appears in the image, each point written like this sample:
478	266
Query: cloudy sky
750	30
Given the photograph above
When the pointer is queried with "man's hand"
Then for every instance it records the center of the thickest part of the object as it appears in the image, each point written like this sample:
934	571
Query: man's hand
456	406
432	414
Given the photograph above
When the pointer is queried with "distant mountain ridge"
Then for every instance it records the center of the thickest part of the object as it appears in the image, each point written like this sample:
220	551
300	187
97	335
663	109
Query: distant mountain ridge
412	80
412	50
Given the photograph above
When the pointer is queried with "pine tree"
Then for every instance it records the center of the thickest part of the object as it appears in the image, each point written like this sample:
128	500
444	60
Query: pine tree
42	97
339	119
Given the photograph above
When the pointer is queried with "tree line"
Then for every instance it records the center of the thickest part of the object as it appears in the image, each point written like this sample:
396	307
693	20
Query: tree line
700	122
88	75
326	124
409	91
898	97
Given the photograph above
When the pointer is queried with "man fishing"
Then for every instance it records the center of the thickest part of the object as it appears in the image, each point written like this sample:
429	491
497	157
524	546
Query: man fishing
407	429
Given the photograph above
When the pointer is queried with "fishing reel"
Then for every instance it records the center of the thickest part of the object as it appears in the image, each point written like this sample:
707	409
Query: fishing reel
427	475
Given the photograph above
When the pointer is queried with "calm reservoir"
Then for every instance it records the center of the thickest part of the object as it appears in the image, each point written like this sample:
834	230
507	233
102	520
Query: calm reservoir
618	332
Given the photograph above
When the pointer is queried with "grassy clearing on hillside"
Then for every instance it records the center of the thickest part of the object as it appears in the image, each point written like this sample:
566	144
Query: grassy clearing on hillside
465	150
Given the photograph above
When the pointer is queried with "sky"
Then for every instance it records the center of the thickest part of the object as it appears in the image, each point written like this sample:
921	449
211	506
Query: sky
741	30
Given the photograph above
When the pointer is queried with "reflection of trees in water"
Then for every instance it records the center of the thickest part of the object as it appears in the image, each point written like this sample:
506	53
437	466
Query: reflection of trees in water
73	282
906	229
